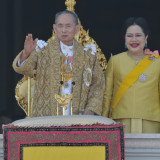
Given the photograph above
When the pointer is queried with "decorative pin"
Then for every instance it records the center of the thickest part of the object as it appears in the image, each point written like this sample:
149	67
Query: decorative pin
142	77
137	61
151	58
87	76
69	68
62	101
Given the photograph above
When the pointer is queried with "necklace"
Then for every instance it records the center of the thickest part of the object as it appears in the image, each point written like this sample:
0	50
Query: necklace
137	59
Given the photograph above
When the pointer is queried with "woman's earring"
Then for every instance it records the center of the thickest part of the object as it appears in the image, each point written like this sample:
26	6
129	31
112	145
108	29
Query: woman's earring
145	46
126	46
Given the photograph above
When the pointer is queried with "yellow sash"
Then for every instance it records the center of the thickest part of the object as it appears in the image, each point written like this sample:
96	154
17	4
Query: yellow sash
130	79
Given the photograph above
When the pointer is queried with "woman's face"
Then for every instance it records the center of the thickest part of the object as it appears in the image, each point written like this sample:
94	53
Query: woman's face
135	39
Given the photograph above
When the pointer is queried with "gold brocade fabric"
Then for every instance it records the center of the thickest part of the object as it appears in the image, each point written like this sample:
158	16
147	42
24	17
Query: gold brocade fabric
47	64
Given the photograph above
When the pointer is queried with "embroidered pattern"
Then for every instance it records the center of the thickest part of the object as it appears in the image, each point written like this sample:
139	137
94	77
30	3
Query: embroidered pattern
111	136
87	76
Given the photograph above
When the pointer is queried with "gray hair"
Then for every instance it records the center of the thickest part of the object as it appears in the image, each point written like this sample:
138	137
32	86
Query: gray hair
67	12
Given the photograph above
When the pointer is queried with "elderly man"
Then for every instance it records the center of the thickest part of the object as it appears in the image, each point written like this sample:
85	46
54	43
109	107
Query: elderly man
63	67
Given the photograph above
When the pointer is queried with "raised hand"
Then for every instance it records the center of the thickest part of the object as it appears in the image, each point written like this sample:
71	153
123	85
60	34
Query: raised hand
29	46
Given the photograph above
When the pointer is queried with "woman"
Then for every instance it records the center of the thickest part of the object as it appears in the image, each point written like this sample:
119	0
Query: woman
133	82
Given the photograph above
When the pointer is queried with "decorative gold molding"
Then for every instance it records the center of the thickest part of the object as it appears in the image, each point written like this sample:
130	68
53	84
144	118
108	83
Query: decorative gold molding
70	5
63	101
20	98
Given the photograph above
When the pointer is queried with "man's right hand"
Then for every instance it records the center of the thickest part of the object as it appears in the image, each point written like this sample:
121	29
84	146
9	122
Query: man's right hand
29	46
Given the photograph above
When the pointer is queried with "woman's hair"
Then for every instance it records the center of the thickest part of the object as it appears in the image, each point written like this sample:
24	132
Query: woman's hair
135	21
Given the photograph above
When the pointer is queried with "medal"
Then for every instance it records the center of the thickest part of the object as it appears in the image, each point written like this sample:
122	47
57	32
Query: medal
142	77
69	66
151	58
69	69
137	61
66	85
87	76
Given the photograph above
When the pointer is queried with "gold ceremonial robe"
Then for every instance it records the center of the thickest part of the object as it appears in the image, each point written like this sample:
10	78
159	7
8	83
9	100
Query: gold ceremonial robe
142	99
47	64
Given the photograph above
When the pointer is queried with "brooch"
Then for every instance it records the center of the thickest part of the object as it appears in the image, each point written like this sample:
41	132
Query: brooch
87	76
142	77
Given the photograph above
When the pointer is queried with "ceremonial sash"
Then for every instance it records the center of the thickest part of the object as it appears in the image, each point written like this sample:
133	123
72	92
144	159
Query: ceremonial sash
130	79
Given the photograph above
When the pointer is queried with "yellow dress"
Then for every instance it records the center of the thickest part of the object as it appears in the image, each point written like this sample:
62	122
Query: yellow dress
141	101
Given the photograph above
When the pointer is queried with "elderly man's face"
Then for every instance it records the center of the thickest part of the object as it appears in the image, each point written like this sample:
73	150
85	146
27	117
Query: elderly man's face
65	28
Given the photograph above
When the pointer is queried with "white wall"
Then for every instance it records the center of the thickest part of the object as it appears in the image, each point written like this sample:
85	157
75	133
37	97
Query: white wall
142	146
